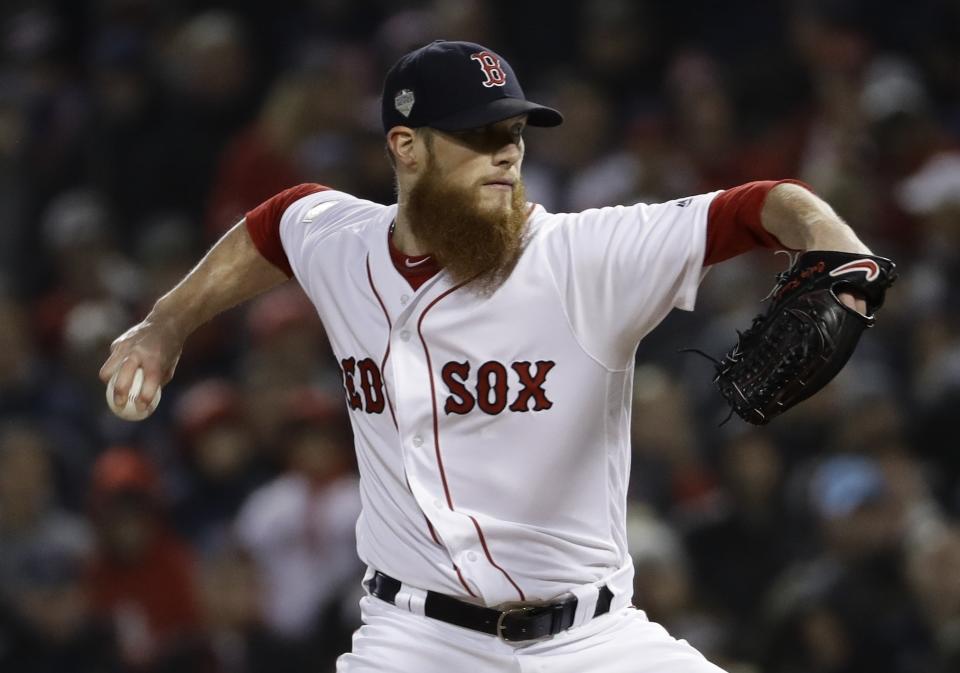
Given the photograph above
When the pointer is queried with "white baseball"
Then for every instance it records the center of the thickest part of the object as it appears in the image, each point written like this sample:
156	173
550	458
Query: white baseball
129	412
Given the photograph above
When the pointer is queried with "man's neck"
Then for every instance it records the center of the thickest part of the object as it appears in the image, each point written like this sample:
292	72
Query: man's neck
403	238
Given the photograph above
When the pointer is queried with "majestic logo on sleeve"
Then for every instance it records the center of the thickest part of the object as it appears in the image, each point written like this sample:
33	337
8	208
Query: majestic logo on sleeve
868	266
495	76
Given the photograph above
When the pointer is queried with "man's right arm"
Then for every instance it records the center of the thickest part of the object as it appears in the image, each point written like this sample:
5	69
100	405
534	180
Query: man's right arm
233	271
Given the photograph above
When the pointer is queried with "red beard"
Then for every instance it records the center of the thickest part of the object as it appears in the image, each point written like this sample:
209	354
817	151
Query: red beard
469	241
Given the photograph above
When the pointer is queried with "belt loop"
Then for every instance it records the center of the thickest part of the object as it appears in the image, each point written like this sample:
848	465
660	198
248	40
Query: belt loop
411	599
604	601
586	603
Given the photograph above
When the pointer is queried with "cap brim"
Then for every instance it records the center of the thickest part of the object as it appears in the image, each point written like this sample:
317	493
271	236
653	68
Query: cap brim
496	111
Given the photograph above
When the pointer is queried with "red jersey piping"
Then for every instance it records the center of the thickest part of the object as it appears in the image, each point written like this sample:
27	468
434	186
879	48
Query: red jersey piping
386	392
386	353
436	442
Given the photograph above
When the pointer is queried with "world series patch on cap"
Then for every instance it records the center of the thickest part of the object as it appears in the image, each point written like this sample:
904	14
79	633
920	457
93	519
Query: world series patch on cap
454	86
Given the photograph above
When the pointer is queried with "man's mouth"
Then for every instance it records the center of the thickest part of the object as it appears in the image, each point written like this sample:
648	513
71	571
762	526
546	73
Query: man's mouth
504	184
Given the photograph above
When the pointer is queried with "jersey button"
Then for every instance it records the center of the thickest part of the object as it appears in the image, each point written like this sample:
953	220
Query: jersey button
472	556
404	298
438	504
405	335
418	441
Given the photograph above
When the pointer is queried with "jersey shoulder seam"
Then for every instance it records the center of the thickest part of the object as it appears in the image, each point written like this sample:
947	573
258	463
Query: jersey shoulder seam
341	199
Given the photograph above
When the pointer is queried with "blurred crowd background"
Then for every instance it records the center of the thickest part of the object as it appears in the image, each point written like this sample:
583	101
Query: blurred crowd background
217	536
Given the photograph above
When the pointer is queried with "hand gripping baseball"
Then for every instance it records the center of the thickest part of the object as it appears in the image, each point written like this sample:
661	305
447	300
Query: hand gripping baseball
151	346
807	334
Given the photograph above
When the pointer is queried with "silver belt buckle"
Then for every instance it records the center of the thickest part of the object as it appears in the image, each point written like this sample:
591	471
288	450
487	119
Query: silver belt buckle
520	610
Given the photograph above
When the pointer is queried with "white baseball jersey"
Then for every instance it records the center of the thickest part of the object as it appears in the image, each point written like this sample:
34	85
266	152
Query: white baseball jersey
493	431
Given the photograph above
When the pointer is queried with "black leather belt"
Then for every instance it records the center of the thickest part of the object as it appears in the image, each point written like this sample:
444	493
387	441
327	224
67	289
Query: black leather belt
516	624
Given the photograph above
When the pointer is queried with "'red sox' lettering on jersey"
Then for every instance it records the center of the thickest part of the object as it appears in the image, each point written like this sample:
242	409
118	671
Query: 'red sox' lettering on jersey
489	391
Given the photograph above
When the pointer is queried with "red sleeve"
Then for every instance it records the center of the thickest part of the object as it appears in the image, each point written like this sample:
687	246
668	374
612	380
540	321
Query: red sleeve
263	223
733	223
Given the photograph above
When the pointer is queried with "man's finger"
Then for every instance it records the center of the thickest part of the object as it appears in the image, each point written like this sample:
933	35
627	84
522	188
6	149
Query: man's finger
121	387
112	362
119	349
850	300
151	381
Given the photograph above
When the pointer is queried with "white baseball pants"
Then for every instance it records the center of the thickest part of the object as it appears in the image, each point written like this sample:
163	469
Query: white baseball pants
393	640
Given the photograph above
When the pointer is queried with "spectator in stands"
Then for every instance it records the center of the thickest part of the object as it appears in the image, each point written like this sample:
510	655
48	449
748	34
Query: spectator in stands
50	625
299	528
739	550
237	635
143	577
850	609
934	566
222	465
30	516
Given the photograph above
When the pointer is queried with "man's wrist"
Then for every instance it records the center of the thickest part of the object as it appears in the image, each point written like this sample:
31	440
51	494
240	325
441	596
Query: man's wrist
173	317
837	237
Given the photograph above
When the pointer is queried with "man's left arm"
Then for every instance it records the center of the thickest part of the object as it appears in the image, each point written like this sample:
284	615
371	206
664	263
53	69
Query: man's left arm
801	220
783	214
818	307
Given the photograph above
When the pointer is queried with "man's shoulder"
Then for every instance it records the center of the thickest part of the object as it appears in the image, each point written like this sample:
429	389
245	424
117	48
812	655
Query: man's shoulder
540	217
316	204
333	210
590	221
544	225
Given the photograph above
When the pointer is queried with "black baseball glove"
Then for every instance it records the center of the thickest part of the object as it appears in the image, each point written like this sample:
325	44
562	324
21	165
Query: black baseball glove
806	335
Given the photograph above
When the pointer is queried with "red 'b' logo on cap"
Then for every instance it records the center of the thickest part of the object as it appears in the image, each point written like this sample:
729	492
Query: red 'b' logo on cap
491	68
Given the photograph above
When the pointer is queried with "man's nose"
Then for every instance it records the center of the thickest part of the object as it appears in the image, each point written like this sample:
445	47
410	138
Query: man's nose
508	154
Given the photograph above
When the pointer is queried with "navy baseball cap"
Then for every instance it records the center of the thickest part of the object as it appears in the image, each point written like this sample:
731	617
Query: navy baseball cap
454	86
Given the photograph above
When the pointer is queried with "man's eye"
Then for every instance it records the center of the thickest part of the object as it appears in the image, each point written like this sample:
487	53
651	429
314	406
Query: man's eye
489	137
470	134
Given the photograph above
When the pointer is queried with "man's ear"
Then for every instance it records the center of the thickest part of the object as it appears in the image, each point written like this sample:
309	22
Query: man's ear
402	143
